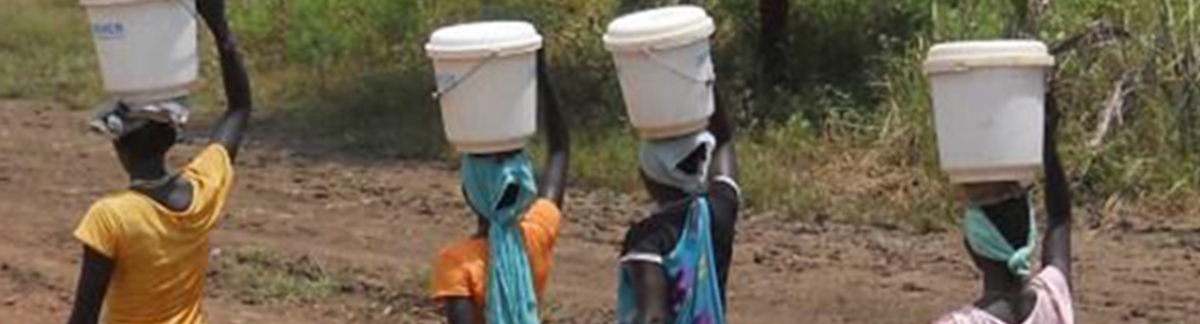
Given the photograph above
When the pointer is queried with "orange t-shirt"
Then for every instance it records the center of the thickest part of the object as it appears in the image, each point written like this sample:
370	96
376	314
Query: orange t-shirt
461	268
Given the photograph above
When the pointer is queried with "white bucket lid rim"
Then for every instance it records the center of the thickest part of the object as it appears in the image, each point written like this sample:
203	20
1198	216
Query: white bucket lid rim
481	39
659	28
970	55
99	3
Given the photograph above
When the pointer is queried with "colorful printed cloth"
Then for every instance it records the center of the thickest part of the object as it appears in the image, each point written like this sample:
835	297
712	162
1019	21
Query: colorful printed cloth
696	298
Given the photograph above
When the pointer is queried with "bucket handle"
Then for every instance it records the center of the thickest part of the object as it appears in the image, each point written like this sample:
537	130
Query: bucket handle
439	93
708	79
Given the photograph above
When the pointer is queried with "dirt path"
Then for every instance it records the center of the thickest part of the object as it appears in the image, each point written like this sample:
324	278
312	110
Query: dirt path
327	238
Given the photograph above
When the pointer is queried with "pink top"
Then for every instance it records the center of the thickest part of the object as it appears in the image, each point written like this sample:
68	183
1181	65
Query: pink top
1053	306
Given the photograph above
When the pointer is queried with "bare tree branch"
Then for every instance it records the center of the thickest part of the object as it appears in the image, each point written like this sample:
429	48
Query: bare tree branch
1099	33
1114	107
1034	11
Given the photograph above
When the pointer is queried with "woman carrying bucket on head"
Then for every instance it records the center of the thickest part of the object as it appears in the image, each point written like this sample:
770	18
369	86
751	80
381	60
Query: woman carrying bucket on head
991	147
674	263
489	81
146	248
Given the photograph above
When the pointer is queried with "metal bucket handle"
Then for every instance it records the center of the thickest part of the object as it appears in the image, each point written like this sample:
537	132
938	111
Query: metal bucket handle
439	93
707	80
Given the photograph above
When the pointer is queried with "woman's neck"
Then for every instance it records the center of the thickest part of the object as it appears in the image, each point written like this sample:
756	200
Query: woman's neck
1002	283
1006	298
152	178
481	227
148	170
148	175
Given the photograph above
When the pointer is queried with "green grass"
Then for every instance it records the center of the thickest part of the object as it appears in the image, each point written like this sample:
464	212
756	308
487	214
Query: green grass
256	275
45	52
846	133
260	276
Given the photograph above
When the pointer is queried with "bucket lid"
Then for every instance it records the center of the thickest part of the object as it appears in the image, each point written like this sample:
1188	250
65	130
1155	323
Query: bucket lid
483	39
659	28
967	56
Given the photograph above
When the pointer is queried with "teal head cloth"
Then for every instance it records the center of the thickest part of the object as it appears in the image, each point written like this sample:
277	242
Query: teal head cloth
510	294
660	159
986	240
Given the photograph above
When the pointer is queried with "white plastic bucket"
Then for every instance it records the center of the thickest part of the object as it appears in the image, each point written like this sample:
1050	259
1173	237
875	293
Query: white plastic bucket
988	99
486	77
665	69
147	48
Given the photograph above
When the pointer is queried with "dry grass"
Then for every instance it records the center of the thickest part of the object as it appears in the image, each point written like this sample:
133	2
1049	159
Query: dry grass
852	142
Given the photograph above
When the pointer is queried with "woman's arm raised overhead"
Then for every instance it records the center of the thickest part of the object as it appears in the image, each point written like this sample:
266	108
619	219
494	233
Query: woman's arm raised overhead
1057	243
231	128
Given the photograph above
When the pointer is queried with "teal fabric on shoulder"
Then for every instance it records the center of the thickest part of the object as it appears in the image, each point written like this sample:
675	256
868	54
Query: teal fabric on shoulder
511	298
985	239
692	271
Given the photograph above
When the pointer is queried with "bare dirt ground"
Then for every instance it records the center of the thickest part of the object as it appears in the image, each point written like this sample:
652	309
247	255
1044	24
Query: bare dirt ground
316	236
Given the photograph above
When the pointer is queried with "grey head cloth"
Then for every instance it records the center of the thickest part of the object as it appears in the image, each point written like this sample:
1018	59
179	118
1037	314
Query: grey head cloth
115	118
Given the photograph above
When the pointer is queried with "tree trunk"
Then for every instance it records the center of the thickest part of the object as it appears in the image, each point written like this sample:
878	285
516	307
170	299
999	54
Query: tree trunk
772	15
279	32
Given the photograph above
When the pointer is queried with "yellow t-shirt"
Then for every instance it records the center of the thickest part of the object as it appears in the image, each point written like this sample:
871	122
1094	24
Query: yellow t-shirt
160	256
461	268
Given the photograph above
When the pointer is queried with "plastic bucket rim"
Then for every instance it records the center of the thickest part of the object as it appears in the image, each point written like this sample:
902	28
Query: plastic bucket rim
665	41
963	64
519	45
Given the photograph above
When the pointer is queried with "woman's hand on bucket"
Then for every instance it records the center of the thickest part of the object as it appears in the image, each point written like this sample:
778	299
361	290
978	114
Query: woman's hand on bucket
721	124
1052	112
213	13
553	184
